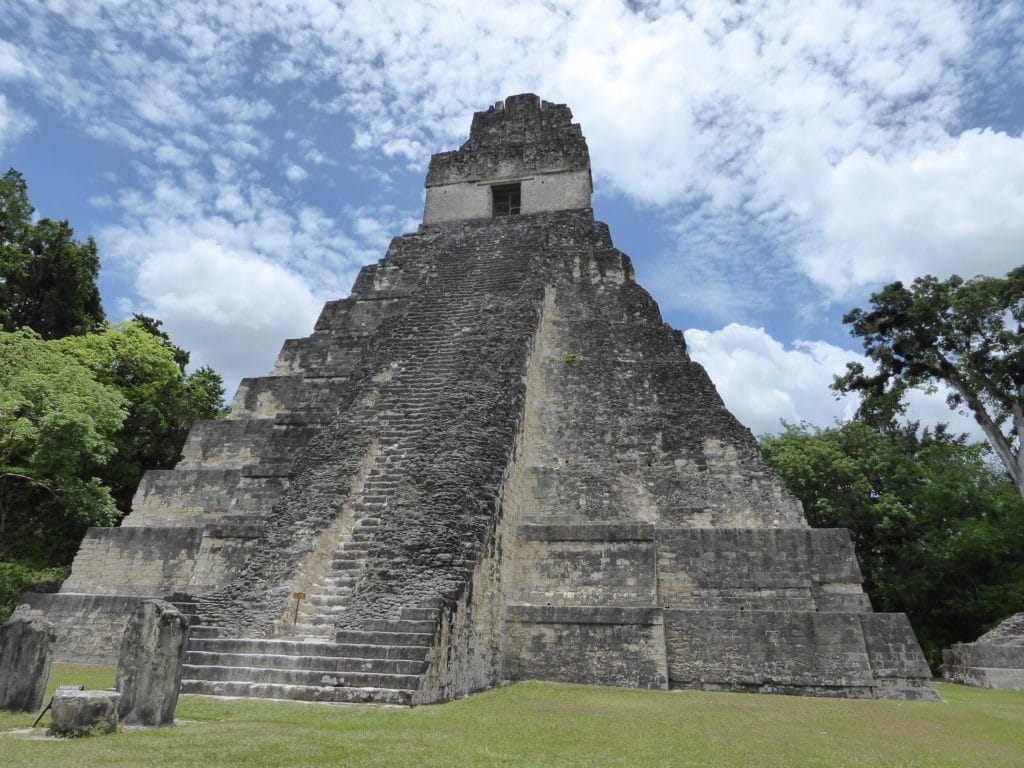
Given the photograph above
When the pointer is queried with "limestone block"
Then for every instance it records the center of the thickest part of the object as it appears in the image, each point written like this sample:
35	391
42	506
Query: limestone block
984	666
602	645
25	656
79	713
149	669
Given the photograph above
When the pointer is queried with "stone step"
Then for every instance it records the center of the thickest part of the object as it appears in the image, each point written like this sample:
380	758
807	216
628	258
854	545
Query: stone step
199	631
339	584
298	647
375	637
298	692
311	677
321	663
321	632
356	545
325	618
421	614
328	598
403	625
367	522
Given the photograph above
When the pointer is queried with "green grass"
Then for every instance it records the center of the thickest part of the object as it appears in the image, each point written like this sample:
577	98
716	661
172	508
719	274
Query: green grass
546	724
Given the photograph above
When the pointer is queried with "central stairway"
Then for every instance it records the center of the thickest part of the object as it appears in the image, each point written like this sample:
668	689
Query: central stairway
382	663
324	655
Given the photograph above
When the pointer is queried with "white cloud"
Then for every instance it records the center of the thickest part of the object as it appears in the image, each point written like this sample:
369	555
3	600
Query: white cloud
295	173
13	124
316	157
762	381
166	153
958	207
12	62
231	310
229	269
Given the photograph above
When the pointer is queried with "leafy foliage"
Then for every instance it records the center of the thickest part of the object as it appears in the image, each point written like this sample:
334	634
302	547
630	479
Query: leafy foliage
58	426
47	278
17	578
162	401
85	408
967	334
81	418
938	529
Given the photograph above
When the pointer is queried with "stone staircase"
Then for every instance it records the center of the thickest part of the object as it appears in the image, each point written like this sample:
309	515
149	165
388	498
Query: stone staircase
382	659
327	598
382	663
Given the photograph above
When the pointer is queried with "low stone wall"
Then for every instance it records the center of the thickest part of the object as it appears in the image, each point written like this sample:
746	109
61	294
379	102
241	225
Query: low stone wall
829	654
604	645
135	561
759	569
88	628
980	665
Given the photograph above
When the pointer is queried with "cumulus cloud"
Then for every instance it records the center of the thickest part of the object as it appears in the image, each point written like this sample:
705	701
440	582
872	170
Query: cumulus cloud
228	267
231	309
295	173
958	207
764	382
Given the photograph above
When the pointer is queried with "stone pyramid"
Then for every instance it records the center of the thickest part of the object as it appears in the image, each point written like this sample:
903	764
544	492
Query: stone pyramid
493	461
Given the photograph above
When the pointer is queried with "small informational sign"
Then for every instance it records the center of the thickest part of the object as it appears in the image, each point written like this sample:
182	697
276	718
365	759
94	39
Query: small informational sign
299	597
59	689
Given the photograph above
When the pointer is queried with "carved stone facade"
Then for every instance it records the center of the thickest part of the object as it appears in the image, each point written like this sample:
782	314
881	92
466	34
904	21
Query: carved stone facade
492	461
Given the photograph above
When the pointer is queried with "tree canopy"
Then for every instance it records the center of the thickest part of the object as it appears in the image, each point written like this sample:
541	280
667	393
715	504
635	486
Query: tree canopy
85	407
58	427
937	527
966	334
47	278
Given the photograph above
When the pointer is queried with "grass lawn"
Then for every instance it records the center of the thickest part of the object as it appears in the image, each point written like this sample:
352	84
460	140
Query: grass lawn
547	724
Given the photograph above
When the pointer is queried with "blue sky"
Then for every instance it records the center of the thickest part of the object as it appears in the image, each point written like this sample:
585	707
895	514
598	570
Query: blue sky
767	165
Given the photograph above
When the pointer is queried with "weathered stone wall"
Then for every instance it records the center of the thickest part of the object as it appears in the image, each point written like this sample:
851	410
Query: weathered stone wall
539	192
994	660
606	645
89	628
759	569
134	561
520	136
441	390
605	564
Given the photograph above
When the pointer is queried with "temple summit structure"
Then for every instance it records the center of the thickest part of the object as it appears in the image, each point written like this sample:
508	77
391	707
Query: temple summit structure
492	461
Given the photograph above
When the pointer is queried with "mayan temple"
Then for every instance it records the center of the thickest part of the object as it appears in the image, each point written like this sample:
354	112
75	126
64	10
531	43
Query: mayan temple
493	461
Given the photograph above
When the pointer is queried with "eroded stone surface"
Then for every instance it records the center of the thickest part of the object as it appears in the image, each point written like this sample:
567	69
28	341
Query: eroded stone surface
994	660
25	656
149	667
82	713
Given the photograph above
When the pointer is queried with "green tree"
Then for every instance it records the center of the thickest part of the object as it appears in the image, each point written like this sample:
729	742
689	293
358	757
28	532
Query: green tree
161	400
966	334
58	428
47	278
937	527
